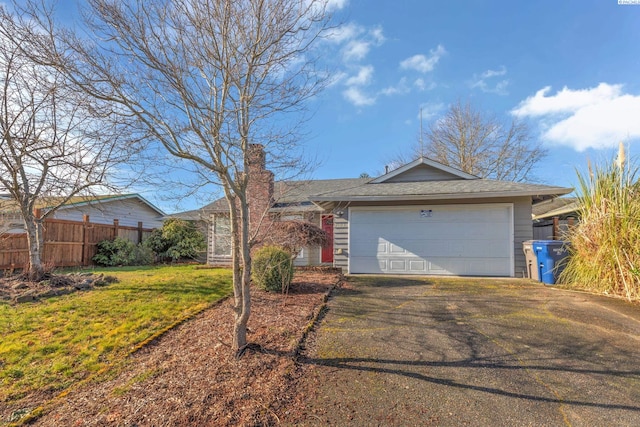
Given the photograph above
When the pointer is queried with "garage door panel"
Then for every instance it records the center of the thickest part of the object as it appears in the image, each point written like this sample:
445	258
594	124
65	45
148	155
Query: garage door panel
396	250
454	239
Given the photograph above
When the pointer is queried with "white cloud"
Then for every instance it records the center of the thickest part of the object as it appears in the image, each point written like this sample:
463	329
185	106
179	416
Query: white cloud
598	117
343	33
430	110
336	4
399	89
421	85
362	78
356	50
336	78
358	98
355	84
423	63
377	35
326	5
356	40
494	73
566	100
481	81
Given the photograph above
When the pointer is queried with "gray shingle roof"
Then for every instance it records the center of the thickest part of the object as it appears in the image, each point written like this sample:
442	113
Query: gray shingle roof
302	191
285	193
468	188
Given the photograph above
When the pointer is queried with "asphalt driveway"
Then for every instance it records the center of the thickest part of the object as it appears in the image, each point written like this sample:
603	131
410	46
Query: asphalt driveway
452	352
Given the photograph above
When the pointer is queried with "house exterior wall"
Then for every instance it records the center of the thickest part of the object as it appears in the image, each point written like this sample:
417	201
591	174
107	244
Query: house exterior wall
128	212
341	239
313	257
309	255
521	223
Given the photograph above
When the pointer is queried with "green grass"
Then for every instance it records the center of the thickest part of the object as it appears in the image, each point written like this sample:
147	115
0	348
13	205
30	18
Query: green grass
51	344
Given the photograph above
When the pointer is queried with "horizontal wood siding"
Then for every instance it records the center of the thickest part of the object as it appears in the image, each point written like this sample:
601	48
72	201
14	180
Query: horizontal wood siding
341	241
423	173
128	212
522	232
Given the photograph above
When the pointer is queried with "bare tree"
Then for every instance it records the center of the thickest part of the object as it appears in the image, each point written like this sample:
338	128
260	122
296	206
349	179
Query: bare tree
480	144
206	79
56	143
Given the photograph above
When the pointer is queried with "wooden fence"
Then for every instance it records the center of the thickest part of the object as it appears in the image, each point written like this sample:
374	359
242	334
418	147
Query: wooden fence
66	243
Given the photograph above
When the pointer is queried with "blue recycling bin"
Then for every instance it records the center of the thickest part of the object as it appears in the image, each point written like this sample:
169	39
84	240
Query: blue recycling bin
550	255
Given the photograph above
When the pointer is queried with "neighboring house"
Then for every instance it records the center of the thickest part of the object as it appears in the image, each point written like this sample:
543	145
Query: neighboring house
553	218
423	218
128	209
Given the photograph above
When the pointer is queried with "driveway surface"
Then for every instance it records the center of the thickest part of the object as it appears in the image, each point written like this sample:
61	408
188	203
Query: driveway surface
480	352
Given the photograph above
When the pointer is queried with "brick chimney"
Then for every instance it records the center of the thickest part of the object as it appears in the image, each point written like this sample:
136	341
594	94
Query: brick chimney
259	189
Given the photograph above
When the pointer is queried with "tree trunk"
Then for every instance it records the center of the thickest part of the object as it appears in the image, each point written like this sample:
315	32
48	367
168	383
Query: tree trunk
241	269
243	299
34	238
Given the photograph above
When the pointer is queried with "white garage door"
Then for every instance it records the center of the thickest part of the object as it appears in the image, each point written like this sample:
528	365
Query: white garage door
464	240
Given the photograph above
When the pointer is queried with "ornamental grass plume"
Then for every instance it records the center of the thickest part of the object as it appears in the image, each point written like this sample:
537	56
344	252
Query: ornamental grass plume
605	245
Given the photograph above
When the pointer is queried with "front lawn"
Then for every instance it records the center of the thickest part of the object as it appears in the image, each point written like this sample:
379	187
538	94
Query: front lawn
47	346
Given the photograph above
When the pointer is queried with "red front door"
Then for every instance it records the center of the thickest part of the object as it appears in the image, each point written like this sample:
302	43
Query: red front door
327	251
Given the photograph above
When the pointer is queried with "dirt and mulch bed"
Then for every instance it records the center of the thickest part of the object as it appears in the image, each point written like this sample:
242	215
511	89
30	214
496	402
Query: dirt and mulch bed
190	377
18	289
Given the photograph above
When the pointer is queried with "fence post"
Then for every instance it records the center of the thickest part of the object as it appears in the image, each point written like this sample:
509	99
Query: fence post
85	240
115	228
556	226
139	232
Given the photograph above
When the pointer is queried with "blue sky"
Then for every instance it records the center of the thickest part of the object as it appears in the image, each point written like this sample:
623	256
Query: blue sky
570	68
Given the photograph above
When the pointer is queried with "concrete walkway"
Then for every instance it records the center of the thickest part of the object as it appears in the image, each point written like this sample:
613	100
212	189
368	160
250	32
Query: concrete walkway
454	352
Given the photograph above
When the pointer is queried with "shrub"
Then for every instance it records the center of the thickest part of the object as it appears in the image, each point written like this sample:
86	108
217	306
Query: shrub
605	245
293	235
177	239
122	252
272	269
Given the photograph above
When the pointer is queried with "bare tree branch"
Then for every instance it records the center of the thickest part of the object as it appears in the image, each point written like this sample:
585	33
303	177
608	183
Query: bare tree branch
56	142
206	79
480	144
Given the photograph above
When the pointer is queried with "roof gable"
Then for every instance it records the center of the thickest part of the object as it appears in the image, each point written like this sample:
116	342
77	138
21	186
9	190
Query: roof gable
423	169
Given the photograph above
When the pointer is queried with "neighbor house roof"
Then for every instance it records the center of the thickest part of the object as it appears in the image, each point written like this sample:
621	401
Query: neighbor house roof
556	207
7	205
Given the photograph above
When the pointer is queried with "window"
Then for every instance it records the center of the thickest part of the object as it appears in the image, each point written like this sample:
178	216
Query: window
221	235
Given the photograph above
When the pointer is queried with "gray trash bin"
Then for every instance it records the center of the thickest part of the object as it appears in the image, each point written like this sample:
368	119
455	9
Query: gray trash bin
531	260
